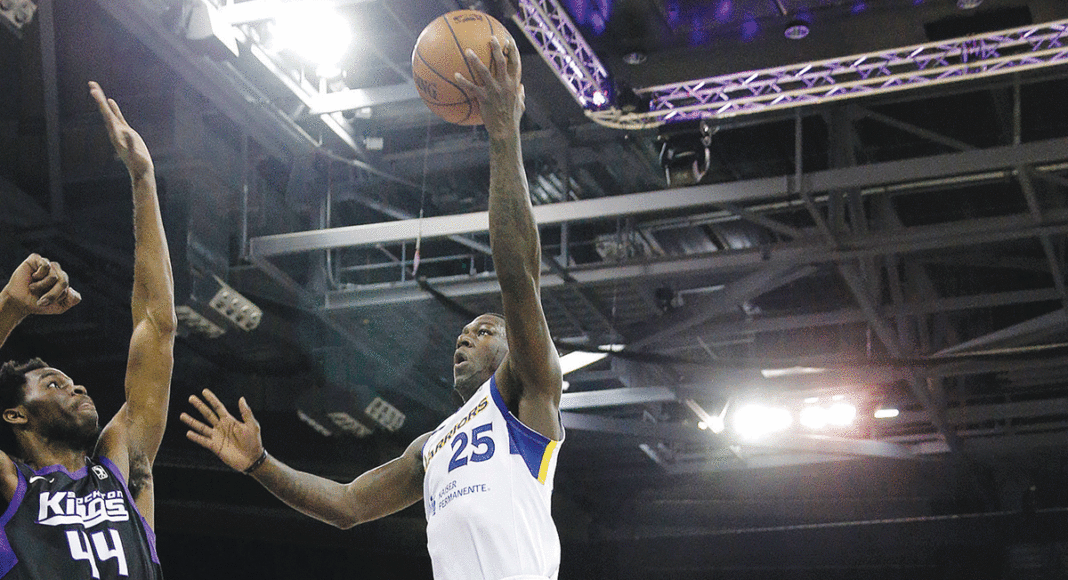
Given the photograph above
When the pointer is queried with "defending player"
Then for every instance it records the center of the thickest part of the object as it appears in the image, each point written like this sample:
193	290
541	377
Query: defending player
80	501
485	474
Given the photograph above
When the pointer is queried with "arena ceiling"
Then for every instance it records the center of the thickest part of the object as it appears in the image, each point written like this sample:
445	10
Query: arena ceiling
874	212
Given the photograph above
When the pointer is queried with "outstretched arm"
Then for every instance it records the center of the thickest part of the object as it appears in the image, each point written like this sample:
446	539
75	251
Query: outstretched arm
379	492
133	437
530	374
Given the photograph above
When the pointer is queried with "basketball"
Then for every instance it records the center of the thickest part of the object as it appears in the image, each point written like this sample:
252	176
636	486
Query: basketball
439	54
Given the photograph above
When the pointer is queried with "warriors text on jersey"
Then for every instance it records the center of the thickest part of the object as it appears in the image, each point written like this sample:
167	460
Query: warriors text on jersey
487	493
75	526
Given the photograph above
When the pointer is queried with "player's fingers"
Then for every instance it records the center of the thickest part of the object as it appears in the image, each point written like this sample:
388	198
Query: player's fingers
101	101
498	63
515	64
216	404
195	425
56	281
70	298
41	267
203	409
50	285
117	111
198	439
468	86
478	68
46	281
246	411
55	293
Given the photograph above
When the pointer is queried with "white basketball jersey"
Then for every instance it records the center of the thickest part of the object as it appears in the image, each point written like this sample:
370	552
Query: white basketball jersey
487	493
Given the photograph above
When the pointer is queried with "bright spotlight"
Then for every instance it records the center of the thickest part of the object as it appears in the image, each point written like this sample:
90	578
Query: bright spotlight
716	424
886	413
316	34
813	417
753	421
841	414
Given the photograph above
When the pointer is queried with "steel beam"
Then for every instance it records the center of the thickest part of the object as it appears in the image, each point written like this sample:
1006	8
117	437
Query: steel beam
917	382
863	113
1045	325
323	103
833	446
636	428
50	94
737	292
865	176
985	413
236	13
615	398
959	234
1023	175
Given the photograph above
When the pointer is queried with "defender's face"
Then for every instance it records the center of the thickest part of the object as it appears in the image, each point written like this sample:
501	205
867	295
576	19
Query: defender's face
480	349
54	404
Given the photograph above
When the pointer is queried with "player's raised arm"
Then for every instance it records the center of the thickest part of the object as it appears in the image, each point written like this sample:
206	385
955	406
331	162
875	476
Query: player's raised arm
133	436
37	286
379	492
531	372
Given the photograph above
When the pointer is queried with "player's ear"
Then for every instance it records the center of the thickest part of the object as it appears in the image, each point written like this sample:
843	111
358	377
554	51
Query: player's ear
14	416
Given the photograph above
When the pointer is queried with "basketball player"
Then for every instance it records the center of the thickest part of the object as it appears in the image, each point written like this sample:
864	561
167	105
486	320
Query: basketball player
485	474
79	499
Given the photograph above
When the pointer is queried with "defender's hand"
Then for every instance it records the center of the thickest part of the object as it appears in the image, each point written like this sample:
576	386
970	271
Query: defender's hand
40	286
236	442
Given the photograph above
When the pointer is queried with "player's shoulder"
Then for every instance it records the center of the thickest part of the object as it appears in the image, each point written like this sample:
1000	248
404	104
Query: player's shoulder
9	476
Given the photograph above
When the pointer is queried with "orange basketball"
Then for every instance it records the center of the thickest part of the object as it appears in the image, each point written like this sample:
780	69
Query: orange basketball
439	54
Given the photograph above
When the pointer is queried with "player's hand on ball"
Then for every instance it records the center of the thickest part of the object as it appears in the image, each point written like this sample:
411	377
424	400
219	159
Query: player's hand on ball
497	87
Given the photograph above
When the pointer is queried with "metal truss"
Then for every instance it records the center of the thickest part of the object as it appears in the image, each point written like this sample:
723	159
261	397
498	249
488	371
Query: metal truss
547	26
872	73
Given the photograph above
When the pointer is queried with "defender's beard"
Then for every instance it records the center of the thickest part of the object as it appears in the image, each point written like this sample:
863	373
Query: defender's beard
81	436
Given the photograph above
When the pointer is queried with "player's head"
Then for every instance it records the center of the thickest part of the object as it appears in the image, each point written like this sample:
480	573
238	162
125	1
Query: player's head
480	349
36	399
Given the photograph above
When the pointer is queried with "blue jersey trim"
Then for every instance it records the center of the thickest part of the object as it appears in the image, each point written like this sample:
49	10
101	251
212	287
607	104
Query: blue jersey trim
522	440
114	470
82	472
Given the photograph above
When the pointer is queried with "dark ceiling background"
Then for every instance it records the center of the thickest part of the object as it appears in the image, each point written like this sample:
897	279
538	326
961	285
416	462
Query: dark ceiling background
910	245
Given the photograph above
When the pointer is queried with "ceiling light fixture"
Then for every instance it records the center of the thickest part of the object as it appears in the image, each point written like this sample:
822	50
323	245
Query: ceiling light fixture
634	58
796	29
319	36
968	4
575	360
755	421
